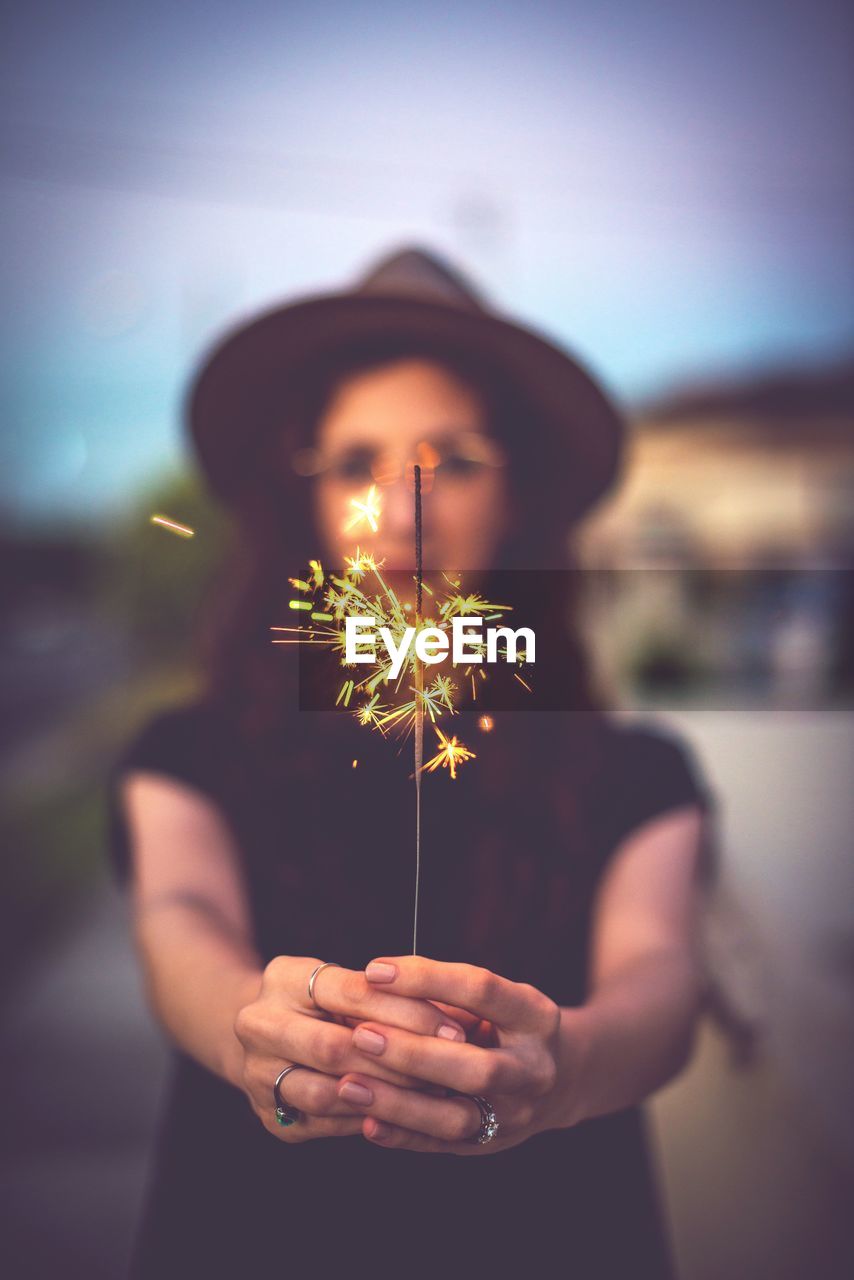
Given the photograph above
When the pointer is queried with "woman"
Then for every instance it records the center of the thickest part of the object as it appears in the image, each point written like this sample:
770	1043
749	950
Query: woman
269	849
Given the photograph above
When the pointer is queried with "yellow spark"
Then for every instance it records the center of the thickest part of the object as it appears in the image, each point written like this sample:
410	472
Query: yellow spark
361	563
442	691
450	755
345	693
368	713
183	530
368	509
355	764
486	723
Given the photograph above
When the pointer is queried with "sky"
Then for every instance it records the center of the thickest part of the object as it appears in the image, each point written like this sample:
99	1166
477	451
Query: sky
664	188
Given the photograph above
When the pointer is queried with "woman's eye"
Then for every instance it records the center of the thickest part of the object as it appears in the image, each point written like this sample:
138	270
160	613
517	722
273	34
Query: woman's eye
456	464
356	466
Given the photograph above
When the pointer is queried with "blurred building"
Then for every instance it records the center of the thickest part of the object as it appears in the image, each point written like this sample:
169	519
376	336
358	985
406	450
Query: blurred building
752	475
723	562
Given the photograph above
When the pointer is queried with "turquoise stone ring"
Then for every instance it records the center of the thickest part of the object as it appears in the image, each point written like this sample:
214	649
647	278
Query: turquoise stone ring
285	1114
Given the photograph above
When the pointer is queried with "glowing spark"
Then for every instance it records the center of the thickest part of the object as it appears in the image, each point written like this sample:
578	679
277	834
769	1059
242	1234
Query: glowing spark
182	530
450	755
486	724
368	713
361	563
368	509
355	764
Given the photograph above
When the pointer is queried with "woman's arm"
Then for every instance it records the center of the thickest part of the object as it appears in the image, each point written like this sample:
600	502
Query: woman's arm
636	1029
191	919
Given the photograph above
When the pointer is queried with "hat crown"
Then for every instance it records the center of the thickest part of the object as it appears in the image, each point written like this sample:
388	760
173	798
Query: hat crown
420	274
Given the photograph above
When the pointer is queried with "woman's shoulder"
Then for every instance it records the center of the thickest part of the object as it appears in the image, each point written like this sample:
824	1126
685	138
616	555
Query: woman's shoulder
183	741
181	738
649	767
644	739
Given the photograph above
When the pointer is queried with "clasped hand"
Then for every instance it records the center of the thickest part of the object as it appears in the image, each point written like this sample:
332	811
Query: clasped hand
398	1051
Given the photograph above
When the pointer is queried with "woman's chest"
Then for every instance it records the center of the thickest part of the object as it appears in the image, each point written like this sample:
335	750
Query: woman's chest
332	868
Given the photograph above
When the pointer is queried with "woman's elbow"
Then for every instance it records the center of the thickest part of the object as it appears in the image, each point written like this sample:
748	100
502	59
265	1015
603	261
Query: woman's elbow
686	1031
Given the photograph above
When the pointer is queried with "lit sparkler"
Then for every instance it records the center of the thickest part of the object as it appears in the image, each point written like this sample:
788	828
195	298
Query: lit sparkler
380	699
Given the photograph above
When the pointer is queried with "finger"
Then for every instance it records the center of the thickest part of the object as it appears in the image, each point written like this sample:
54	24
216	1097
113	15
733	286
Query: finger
347	992
453	1119
468	1021
311	1042
466	1068
313	1092
317	1094
390	1135
512	1005
478	1030
328	1047
311	1127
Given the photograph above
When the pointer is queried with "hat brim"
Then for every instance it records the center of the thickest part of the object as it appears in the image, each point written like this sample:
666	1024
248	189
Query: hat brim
232	401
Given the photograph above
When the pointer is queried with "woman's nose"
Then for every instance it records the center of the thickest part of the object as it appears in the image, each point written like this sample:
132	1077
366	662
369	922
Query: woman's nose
398	513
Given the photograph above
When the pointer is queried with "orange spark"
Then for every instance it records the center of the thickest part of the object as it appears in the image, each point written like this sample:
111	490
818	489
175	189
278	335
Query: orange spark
451	753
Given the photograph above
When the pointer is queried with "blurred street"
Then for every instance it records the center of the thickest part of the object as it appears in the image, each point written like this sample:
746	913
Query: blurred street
83	1067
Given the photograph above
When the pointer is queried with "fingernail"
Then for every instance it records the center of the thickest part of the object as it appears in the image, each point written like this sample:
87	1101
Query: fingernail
379	1132
377	971
353	1092
448	1032
367	1040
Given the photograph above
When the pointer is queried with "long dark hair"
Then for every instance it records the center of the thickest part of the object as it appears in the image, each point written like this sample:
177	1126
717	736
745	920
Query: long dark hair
275	532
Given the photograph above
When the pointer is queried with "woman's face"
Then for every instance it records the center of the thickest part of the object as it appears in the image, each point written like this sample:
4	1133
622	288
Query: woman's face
376	426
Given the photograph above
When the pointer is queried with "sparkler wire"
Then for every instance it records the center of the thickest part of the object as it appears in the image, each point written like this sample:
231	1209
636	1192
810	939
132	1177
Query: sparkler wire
419	703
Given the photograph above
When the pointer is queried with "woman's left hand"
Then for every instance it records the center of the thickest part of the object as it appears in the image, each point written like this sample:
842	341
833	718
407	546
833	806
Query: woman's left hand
518	1075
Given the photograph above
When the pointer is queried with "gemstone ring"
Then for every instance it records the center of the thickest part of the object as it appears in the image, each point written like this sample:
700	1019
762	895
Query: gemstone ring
488	1121
286	1114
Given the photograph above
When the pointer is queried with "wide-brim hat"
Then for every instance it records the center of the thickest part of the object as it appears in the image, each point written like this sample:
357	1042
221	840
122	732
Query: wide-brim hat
413	293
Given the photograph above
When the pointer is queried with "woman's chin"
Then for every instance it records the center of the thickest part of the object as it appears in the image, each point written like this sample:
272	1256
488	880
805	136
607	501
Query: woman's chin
403	558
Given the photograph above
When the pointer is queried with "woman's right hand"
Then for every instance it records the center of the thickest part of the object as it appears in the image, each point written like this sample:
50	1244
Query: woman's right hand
282	1026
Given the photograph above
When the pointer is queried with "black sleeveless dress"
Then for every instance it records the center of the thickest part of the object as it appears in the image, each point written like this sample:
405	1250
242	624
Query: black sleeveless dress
512	851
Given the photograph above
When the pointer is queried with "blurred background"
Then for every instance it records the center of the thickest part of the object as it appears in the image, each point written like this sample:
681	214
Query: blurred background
666	189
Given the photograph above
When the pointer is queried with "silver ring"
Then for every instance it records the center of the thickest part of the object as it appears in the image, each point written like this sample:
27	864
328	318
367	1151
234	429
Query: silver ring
488	1121
285	1113
326	964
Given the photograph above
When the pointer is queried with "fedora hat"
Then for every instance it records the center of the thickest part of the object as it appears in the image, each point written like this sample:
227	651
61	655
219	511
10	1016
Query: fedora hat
235	398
